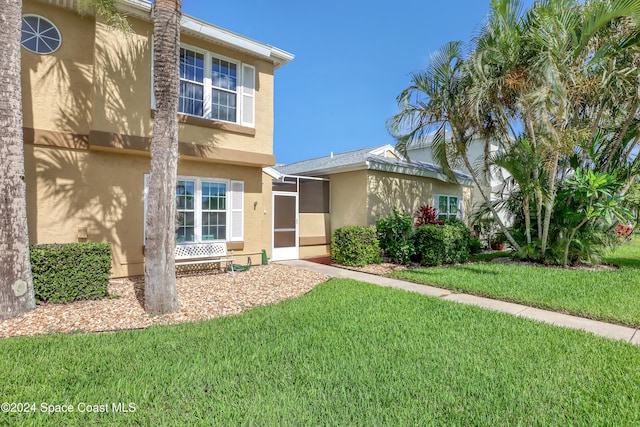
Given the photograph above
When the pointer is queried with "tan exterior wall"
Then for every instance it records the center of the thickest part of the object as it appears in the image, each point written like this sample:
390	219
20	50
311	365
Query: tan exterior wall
88	122
348	199
315	234
68	190
100	80
314	251
388	190
48	102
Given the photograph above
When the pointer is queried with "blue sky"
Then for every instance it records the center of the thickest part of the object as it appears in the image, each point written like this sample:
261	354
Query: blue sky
352	59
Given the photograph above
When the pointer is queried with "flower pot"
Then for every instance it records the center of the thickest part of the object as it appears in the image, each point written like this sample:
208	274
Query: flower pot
497	246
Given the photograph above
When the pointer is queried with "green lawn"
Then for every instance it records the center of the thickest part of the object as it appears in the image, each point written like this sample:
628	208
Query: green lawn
612	296
348	353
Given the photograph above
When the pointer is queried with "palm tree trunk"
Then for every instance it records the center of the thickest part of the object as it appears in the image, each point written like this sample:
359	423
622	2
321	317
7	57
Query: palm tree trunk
486	198
527	218
551	199
536	176
16	283
160	294
621	134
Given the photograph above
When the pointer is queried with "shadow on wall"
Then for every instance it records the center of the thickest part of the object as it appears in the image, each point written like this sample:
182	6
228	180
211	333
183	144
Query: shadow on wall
407	193
389	191
80	188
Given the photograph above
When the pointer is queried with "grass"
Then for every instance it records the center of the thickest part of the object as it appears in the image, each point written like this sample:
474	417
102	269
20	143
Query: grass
489	256
605	295
348	353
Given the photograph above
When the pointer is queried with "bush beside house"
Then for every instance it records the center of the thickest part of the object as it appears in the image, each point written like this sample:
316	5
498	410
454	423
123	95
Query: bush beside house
355	246
442	244
396	236
431	242
70	272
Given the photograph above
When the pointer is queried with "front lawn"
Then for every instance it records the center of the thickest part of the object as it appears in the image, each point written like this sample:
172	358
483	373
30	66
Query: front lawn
605	295
348	353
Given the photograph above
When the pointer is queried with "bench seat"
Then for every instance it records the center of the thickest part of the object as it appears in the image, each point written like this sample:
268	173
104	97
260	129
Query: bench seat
203	253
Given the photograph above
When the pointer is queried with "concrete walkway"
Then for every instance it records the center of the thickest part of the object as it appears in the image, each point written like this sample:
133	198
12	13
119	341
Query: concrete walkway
603	329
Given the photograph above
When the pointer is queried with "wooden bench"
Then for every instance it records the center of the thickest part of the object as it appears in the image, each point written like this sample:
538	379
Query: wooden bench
204	253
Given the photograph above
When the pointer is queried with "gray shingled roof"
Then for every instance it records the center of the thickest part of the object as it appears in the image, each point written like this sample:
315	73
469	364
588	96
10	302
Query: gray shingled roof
363	159
327	162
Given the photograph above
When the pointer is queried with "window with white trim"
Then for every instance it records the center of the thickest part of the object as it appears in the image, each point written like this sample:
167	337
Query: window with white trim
217	88
448	206
207	209
39	35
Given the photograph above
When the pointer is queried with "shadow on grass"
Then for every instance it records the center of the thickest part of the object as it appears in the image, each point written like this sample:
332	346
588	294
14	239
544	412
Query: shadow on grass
624	262
476	268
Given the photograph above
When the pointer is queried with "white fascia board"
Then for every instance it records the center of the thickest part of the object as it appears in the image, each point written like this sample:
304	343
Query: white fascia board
407	170
333	170
381	150
272	172
227	38
214	34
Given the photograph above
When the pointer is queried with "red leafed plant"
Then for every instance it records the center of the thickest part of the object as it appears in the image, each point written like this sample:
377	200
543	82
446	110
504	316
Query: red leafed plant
624	231
427	215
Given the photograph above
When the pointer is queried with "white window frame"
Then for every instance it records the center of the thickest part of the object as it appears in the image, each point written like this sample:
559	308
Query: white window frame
245	88
436	204
234	207
38	34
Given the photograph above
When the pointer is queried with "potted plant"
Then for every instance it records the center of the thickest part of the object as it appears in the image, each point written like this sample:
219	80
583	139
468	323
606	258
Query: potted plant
498	241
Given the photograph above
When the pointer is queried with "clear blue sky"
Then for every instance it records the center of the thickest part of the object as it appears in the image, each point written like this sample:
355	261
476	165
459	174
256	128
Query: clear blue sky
352	58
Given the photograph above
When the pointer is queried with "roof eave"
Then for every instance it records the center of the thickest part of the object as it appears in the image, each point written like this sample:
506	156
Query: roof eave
352	167
408	170
142	9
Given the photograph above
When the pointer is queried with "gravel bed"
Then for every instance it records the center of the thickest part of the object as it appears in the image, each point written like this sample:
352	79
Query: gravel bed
201	297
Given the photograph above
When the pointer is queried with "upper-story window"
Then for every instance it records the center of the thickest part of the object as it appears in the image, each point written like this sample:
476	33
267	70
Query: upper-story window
39	35
216	88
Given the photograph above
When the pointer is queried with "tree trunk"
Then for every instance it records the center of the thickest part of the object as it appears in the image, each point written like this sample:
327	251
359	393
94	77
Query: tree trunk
487	199
548	209
160	294
16	283
527	218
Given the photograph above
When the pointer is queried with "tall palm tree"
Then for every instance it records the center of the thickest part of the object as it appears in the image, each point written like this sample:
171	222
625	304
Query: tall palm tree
16	284
436	101
160	294
552	70
560	37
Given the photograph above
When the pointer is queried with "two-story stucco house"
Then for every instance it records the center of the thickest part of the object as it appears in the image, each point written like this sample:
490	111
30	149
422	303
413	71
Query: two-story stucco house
88	113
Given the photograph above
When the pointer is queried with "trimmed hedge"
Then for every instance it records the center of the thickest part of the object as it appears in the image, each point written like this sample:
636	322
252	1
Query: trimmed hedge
355	246
70	271
442	244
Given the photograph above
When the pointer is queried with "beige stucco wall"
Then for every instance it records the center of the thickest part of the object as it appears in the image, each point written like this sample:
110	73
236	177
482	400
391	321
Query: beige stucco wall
100	80
85	102
388	190
348	199
104	192
47	100
315	234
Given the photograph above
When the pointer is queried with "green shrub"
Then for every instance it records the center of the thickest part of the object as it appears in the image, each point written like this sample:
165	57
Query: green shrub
475	246
70	271
355	246
442	244
395	234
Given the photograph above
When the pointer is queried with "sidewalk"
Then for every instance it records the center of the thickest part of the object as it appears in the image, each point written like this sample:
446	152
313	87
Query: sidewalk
603	329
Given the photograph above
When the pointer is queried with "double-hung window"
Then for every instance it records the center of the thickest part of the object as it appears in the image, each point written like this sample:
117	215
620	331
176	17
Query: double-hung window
217	88
448	206
208	209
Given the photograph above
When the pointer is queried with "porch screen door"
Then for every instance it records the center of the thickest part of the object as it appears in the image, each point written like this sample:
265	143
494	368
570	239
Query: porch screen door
285	226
